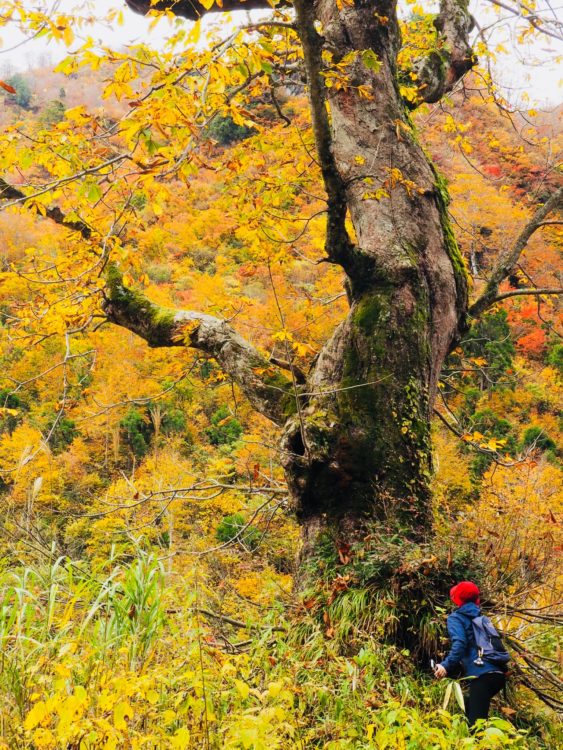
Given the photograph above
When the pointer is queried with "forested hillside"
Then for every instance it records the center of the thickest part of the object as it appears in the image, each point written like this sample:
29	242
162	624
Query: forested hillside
155	590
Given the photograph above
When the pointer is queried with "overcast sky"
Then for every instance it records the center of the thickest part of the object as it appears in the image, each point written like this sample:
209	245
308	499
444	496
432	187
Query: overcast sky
531	68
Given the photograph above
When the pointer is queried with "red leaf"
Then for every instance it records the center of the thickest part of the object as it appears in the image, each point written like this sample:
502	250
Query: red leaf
7	87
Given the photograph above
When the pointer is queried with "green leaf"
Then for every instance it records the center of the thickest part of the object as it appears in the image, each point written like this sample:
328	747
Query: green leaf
94	192
370	60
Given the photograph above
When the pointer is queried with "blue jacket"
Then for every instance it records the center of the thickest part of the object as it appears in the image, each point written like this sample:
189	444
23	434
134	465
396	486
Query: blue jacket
463	649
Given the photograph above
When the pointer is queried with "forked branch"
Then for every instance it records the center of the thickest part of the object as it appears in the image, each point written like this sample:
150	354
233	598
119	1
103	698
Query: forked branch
508	260
267	389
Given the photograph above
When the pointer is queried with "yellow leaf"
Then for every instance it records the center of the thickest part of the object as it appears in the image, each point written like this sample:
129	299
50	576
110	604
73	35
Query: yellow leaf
274	689
282	335
36	715
6	410
242	689
181	739
44	739
68	36
122	711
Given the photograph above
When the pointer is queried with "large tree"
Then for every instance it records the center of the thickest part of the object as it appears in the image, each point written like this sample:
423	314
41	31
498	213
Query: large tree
356	428
356	432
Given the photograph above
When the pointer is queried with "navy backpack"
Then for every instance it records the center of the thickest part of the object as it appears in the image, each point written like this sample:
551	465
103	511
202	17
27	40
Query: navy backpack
489	643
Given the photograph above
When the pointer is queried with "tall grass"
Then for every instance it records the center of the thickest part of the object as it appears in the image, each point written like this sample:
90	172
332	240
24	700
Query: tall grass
45	612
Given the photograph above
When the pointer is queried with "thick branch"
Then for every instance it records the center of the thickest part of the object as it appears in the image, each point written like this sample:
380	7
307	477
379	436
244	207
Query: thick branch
192	9
441	69
267	389
338	244
8	192
507	261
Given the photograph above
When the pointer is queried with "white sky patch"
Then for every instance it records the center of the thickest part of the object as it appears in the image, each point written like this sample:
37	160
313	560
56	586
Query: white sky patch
528	72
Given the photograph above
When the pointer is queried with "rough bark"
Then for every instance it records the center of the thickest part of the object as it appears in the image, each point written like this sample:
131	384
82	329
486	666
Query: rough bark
364	451
440	70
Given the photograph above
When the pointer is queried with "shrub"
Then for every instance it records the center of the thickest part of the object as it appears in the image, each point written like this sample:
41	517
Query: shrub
225	429
23	94
490	338
537	437
555	356
232	528
137	432
226	132
53	113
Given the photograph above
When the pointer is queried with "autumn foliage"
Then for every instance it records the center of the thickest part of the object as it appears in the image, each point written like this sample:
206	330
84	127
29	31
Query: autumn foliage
147	547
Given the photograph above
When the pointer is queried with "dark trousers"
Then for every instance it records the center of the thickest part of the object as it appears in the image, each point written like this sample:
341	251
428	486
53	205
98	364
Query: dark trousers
481	690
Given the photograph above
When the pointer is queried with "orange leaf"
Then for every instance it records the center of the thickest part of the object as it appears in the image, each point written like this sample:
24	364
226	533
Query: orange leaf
7	87
344	553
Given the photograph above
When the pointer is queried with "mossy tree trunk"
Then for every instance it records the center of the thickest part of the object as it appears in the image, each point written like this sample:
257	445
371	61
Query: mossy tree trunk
356	442
364	451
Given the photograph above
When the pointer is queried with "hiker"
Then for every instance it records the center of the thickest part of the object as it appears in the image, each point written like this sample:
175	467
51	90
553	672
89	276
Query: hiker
488	677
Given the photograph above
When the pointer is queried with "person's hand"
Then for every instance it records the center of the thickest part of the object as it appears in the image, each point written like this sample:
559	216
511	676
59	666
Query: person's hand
439	672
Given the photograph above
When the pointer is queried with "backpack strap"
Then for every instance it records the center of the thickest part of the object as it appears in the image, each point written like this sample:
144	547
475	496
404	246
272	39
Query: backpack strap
468	626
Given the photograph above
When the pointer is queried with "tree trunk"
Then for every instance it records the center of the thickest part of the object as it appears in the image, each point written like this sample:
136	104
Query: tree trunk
362	451
356	445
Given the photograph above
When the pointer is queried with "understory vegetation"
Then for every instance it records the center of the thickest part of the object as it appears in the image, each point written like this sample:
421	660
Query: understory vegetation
121	654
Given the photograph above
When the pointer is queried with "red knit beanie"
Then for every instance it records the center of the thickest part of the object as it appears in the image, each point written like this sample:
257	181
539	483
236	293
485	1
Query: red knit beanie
463	592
